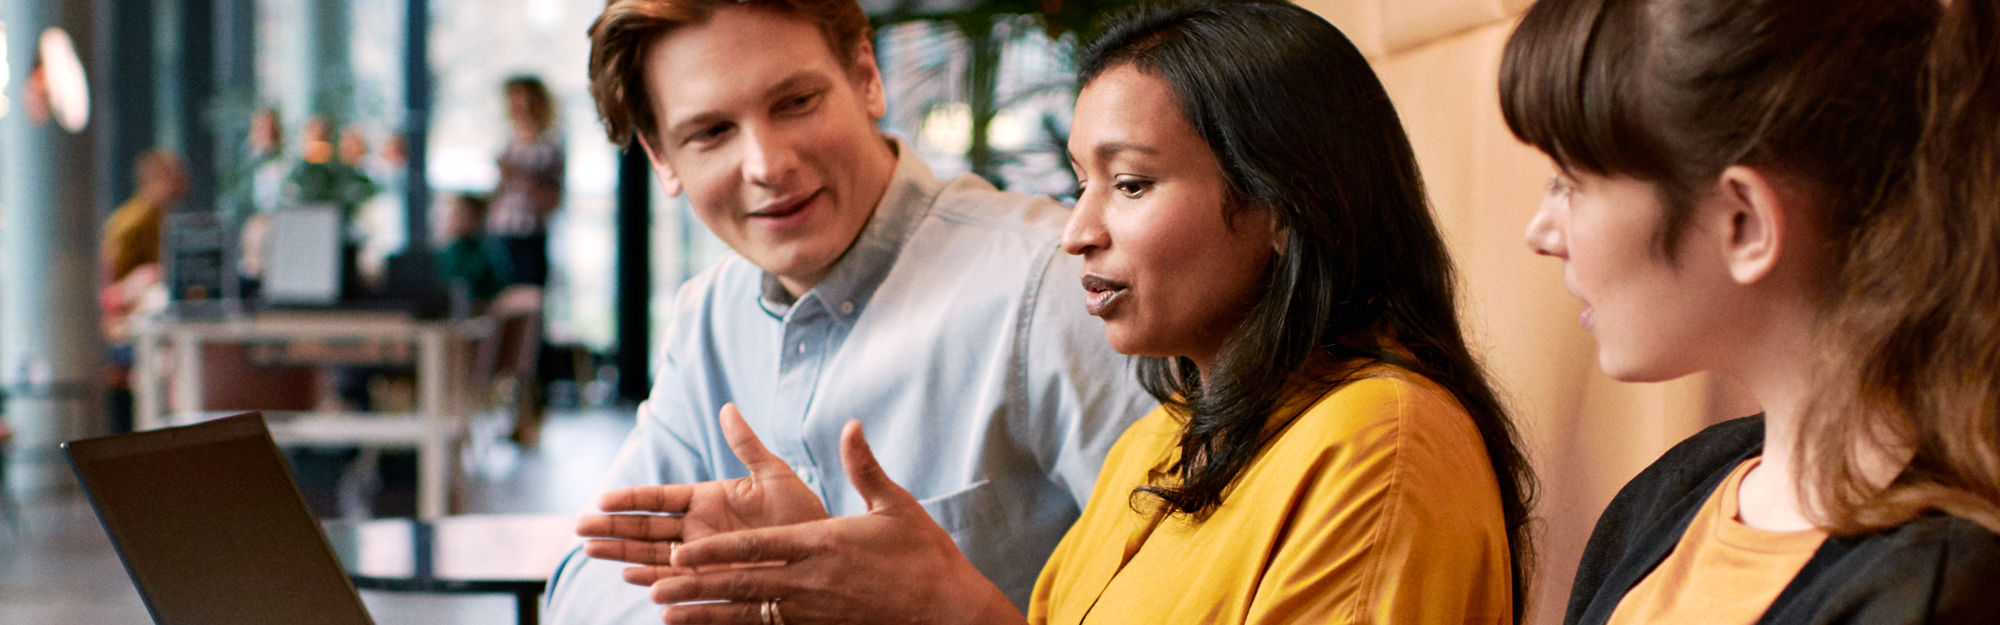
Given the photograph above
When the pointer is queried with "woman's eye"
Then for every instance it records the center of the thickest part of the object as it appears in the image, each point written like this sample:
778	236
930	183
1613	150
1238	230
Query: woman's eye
1559	187
1132	188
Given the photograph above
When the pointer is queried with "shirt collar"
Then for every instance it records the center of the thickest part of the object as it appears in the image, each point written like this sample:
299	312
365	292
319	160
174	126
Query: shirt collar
844	292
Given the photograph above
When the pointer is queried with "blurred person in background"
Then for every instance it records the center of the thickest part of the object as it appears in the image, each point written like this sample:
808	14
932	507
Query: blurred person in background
531	181
129	268
465	259
517	222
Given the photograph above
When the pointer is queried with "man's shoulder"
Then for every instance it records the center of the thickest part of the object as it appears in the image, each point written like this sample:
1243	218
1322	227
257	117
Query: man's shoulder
730	279
972	202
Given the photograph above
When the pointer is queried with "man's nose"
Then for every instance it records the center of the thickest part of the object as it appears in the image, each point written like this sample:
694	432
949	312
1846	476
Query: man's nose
768	157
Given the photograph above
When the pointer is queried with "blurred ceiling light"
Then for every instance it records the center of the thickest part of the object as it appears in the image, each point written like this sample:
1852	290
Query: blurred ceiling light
6	72
1007	131
69	90
947	128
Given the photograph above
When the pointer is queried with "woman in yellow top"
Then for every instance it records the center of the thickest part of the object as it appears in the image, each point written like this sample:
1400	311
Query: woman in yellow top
1251	221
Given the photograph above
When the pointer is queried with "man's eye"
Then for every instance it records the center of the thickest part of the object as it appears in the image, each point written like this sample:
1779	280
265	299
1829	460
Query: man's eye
708	134
798	103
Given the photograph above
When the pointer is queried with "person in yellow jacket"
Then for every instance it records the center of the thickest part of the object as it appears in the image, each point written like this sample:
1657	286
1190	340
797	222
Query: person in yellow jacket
1327	449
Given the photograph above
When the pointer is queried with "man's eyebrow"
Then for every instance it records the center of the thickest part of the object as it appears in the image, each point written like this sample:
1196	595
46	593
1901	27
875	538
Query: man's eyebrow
795	81
704	118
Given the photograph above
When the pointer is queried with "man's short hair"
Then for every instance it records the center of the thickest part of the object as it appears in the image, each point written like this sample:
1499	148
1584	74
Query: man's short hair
621	36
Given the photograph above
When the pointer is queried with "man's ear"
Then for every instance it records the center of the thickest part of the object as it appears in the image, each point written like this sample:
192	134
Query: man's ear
1754	218
669	184
868	78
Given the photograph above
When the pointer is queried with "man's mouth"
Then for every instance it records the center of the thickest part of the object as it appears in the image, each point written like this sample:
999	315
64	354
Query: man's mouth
1100	293
786	207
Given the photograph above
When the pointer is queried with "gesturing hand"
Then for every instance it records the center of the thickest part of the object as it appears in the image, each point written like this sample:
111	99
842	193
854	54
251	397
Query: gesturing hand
891	565
771	495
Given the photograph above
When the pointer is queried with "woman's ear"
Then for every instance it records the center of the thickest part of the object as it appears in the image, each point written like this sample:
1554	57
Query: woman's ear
1754	216
669	184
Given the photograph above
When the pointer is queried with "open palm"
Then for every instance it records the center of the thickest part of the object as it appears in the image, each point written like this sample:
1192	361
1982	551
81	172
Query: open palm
644	525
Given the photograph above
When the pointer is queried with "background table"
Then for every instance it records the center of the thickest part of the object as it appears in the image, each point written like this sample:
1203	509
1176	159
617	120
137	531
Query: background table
511	554
439	422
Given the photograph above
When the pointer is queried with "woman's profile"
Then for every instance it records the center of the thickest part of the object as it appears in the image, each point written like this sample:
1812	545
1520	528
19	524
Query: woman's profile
1803	197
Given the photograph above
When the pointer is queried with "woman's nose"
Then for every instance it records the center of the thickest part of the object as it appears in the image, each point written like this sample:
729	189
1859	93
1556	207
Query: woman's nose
1544	233
1085	230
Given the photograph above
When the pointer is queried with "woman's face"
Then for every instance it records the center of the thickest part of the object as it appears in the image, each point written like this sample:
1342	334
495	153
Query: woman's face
1161	266
1653	318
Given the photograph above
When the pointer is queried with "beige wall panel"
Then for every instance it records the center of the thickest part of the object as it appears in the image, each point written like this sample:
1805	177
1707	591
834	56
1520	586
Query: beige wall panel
1411	23
1361	20
1587	434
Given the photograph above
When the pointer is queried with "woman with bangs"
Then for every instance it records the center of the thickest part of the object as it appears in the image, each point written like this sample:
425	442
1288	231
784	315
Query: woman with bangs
1327	450
1803	196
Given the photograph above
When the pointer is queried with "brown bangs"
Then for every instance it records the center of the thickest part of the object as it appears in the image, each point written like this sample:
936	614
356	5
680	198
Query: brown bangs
1570	84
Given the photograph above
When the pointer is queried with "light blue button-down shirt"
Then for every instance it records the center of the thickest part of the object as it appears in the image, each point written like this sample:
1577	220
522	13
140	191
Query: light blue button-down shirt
953	329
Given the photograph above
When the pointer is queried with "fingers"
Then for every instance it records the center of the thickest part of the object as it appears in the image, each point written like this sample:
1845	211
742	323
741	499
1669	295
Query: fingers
746	584
649	552
866	474
646	575
772	544
630	526
746	612
668	498
748	448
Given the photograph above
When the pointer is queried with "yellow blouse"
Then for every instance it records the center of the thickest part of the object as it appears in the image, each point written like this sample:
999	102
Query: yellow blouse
1376	505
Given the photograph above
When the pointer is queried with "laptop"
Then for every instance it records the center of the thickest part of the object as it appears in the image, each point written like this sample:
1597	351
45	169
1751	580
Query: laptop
212	528
303	262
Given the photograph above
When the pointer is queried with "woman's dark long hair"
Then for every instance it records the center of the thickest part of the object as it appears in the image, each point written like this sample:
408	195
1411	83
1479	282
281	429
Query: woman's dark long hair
1304	130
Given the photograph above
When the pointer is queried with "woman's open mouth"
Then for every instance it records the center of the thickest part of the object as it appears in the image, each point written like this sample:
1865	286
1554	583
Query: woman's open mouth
1100	293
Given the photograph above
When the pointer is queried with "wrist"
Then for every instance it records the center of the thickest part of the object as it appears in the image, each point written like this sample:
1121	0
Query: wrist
985	605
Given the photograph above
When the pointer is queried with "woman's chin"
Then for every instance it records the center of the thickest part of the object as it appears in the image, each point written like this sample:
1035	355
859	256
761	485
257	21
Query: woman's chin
1625	370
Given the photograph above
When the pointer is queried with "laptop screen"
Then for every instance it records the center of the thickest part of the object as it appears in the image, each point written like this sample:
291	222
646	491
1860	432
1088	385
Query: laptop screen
211	527
302	256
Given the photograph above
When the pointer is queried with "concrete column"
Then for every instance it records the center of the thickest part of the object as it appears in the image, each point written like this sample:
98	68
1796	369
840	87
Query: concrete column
126	88
195	87
50	351
417	127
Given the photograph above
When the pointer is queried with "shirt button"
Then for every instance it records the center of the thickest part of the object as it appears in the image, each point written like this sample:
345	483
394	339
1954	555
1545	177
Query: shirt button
802	347
847	308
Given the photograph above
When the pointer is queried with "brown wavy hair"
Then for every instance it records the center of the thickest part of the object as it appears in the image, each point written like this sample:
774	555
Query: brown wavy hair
1918	328
620	38
1884	112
